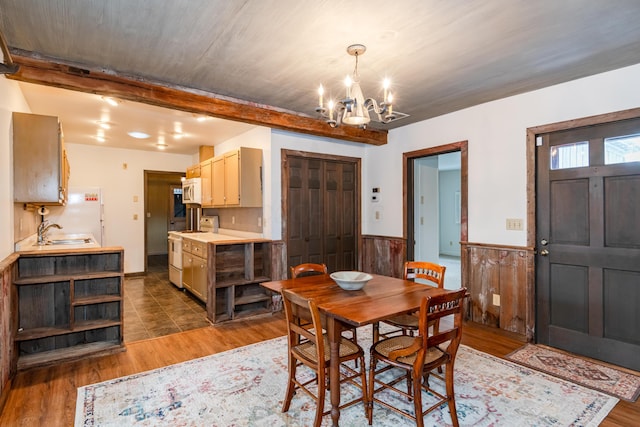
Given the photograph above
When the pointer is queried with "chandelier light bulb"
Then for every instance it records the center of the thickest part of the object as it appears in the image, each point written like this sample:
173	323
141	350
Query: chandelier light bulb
320	93
348	82
385	84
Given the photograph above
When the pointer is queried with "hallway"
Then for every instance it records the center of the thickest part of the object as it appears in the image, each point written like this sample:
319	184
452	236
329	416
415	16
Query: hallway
154	307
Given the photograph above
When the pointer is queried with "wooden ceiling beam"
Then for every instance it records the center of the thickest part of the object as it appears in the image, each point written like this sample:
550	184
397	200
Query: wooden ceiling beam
37	70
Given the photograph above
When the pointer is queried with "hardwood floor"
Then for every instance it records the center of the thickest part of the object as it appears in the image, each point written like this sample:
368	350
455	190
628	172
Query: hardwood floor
47	396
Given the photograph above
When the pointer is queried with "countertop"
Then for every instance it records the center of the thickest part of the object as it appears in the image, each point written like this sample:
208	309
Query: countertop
30	243
223	237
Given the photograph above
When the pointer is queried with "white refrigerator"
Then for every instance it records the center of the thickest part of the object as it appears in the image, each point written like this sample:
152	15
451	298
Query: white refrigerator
83	213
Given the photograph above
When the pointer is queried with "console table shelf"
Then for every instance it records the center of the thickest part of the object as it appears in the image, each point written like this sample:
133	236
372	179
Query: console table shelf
235	273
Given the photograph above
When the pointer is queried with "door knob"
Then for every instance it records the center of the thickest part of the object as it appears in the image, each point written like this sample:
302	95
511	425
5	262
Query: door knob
544	252
544	242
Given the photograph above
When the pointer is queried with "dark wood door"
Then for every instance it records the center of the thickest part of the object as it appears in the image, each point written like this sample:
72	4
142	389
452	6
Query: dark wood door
322	212
305	211
588	241
340	215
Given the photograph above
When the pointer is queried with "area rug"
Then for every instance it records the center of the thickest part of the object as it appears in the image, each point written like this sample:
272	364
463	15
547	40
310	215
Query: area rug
245	387
617	383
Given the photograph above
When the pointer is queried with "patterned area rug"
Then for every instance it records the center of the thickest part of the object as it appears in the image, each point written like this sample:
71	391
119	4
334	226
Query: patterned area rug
620	384
245	387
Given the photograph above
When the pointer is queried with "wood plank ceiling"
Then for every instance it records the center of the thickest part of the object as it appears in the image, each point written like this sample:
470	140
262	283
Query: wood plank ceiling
261	61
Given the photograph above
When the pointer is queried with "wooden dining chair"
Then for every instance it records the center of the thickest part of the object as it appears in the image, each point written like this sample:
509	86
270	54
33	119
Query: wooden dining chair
407	324
308	269
308	345
418	357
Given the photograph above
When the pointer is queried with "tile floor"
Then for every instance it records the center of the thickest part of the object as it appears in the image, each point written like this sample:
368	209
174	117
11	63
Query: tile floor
154	307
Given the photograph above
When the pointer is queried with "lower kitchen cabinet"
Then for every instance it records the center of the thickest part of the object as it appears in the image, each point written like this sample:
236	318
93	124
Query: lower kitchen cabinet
70	305
235	273
194	267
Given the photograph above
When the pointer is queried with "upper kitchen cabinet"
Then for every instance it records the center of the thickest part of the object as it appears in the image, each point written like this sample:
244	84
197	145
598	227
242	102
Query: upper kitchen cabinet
40	164
237	178
207	184
193	171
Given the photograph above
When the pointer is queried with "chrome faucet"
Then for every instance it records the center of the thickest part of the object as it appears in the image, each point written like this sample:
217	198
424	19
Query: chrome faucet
42	231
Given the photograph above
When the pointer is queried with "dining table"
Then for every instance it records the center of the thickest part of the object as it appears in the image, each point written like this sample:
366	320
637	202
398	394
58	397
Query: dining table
381	298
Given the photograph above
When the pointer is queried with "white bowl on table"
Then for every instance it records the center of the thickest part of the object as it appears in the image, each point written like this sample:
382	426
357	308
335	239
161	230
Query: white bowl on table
351	280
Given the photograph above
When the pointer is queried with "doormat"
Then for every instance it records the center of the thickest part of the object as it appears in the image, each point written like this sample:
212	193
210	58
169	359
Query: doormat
245	387
615	382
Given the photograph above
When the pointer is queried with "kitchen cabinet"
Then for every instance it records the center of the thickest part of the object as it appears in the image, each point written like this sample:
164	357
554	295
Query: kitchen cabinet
70	304
237	178
194	267
40	165
193	171
236	271
206	183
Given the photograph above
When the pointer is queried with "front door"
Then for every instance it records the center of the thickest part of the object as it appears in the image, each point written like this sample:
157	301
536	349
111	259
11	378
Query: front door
588	241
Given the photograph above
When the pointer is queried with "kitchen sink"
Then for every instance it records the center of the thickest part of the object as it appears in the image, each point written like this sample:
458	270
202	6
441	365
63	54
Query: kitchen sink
70	241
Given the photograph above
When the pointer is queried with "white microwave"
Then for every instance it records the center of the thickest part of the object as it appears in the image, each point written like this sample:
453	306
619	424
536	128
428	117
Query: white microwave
192	191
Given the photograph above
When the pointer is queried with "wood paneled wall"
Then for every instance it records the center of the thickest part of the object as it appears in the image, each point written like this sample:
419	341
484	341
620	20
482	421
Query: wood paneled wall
487	270
383	255
7	297
505	271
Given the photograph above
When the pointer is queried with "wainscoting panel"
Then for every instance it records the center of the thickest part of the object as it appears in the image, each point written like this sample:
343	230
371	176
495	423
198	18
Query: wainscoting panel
384	255
500	281
7	298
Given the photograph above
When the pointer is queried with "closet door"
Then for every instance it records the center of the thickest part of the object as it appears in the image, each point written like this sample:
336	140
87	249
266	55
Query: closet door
340	215
322	212
305	211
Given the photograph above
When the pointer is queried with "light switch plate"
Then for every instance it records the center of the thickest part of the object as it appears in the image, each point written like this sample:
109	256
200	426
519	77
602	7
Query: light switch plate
514	223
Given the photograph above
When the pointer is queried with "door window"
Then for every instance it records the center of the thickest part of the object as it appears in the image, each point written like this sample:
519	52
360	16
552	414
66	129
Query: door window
622	149
573	155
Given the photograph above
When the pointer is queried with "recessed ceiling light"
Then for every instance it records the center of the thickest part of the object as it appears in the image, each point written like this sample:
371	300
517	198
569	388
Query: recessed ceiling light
138	135
100	138
177	135
110	100
103	124
162	146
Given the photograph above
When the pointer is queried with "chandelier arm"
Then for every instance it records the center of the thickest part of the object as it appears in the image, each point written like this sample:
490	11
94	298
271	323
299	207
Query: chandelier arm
371	105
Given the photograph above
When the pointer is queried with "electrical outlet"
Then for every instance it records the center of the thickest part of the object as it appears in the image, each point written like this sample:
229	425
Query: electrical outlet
377	215
259	222
233	220
135	217
135	199
496	300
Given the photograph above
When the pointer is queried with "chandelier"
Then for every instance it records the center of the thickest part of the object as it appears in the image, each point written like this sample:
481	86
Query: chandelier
355	109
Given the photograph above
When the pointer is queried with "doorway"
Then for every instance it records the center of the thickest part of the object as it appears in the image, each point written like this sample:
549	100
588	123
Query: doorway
160	209
436	207
587	216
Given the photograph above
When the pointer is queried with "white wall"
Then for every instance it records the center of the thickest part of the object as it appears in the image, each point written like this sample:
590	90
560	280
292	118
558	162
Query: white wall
11	99
93	166
496	132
